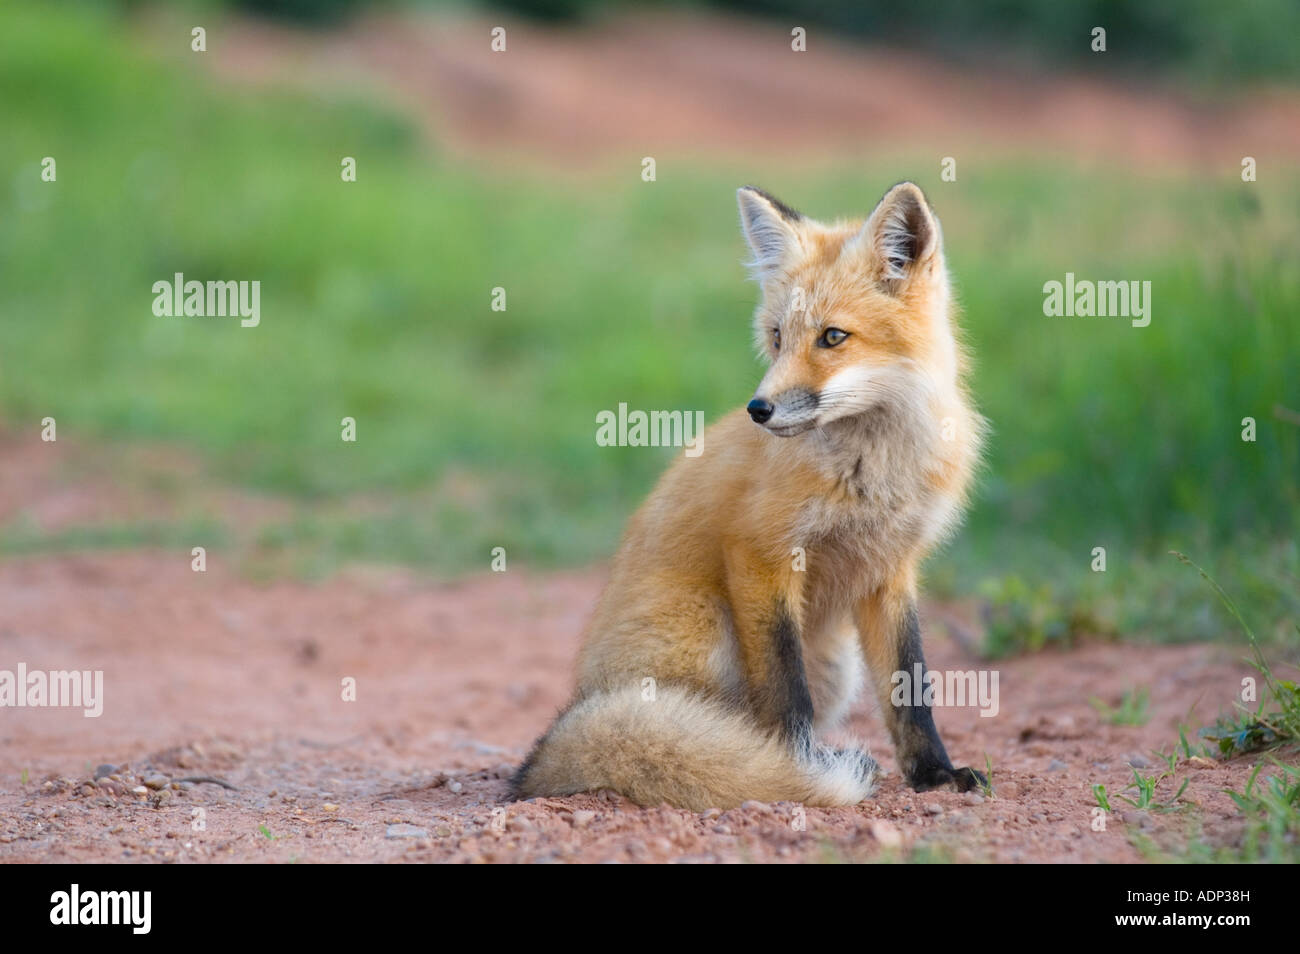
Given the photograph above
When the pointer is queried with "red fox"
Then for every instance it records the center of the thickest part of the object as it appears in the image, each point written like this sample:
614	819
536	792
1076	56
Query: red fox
758	576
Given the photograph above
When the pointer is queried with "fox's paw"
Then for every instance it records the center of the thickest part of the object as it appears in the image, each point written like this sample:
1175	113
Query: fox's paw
962	779
967	779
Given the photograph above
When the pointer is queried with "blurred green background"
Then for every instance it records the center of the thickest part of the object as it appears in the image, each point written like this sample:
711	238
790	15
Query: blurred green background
476	428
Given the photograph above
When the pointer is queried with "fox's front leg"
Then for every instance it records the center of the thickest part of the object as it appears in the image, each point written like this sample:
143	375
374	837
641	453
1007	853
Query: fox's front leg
764	612
776	685
890	632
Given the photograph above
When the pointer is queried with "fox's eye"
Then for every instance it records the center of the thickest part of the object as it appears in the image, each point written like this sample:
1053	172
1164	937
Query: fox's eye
831	337
776	339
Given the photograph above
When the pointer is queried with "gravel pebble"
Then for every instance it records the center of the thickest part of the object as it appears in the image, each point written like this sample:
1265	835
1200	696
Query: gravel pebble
405	831
885	832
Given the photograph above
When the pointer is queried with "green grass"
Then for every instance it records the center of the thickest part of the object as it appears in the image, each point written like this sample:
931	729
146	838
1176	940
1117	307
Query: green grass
1144	787
1269	807
1276	718
476	428
1103	800
1272	810
987	788
1058	604
1132	709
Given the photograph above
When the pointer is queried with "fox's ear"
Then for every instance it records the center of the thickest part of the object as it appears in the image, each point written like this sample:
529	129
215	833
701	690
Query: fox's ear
902	235
768	224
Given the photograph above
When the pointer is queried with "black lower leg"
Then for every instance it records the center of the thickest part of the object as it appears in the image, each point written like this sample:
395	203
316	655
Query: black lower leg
784	701
921	754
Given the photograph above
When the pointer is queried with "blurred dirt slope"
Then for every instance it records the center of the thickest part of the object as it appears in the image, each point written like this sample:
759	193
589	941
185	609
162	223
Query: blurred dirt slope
684	83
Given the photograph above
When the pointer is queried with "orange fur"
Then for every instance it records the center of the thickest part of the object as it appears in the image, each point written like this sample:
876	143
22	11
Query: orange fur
863	480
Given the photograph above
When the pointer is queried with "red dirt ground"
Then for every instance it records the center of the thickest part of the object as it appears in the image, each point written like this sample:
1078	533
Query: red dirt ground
209	675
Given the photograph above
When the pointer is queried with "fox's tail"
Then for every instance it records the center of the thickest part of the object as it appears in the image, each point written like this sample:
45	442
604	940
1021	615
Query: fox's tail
684	749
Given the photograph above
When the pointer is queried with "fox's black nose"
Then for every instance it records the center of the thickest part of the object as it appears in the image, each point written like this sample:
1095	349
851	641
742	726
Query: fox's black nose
760	410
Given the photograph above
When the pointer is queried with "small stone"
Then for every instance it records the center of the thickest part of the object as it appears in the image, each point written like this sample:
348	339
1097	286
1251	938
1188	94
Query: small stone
1056	765
933	808
885	832
583	817
455	787
1140	819
140	790
156	781
722	829
102	770
973	798
329	807
753	806
1138	761
405	831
